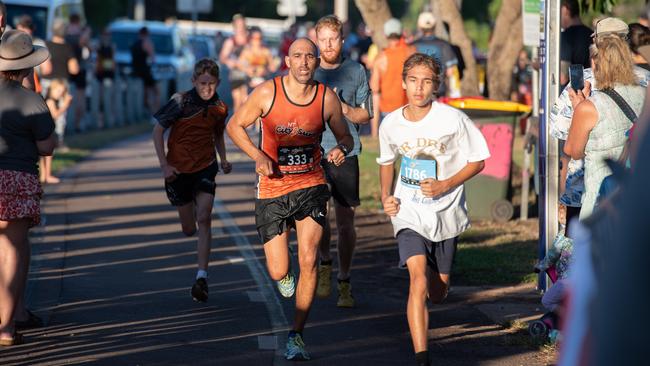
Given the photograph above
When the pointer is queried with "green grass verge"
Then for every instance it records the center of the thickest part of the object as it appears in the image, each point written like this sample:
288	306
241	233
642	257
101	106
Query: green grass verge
81	145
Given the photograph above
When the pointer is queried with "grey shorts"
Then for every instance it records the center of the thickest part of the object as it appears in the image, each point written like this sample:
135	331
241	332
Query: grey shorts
440	255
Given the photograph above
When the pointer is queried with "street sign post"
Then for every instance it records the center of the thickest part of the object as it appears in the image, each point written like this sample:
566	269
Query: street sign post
549	51
194	7
292	9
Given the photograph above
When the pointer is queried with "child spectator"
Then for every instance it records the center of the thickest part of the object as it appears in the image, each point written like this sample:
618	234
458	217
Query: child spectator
58	101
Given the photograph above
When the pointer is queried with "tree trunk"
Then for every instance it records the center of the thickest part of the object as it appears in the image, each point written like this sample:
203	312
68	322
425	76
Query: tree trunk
375	13
506	42
451	14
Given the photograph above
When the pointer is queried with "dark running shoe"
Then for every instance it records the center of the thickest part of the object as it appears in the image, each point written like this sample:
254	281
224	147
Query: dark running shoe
200	290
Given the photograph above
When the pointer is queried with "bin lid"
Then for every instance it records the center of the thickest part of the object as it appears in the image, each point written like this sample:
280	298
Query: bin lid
488	105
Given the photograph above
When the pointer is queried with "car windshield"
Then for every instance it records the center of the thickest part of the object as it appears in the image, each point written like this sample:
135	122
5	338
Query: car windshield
162	43
38	14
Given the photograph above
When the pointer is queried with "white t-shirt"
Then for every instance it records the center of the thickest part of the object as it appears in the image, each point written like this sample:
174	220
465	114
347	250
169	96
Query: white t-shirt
451	138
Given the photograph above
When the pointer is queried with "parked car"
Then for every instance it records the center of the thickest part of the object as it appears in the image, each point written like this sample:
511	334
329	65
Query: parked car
203	47
43	13
173	60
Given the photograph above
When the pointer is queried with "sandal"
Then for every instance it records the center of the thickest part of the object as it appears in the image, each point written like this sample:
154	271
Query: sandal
33	321
14	341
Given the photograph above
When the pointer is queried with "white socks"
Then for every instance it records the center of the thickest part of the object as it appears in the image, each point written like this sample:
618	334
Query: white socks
201	274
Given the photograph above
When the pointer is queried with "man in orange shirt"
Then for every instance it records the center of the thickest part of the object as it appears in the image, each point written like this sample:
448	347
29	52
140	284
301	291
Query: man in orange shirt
291	189
386	77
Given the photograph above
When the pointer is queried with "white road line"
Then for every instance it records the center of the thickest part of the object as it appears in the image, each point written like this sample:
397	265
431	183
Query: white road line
264	283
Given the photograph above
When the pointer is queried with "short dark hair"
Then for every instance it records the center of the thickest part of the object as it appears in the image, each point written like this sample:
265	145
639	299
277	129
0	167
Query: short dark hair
143	31
638	36
206	65
26	22
572	6
422	59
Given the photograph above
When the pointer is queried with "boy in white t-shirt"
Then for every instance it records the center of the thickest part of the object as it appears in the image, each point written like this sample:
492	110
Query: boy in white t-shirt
440	149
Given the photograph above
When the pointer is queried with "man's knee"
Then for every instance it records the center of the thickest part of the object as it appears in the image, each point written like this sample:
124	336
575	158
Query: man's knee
277	274
418	286
204	218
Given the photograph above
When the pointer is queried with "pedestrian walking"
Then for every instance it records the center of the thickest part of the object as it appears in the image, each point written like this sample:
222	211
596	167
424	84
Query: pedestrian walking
291	188
348	80
197	120
28	130
441	148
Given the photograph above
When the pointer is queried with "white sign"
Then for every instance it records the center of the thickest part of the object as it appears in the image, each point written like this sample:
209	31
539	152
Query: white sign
191	6
296	8
530	15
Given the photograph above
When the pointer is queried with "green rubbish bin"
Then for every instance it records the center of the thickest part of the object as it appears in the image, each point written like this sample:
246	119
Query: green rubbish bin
488	193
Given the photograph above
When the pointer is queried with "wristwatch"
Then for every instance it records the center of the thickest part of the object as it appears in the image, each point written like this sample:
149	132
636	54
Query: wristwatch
344	149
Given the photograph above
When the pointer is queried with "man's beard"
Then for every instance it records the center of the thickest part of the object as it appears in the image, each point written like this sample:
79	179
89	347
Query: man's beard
331	60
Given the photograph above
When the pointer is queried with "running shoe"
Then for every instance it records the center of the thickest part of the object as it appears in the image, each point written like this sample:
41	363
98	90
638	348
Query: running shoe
200	290
287	285
345	295
324	287
296	349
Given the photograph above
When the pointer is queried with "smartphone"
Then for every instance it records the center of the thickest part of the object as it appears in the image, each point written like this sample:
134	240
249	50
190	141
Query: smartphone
576	77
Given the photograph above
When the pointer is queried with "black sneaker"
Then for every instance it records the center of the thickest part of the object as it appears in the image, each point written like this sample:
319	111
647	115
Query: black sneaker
200	290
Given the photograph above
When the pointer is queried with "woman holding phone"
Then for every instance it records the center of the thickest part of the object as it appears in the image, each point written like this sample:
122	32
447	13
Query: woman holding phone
599	125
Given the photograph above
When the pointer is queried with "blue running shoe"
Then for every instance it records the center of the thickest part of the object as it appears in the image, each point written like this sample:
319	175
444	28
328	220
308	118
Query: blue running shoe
296	349
287	285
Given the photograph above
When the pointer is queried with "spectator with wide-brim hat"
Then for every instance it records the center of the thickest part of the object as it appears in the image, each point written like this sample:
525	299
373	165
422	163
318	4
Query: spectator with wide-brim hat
28	130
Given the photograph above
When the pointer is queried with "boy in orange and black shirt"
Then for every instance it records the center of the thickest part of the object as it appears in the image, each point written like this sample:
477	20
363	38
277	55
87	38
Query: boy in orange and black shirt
197	119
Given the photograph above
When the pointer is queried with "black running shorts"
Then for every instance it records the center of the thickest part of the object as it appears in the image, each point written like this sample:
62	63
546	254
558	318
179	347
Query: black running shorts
184	188
344	181
273	216
440	255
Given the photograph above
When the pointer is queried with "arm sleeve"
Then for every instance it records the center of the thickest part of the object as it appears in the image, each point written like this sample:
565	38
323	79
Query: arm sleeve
40	120
170	112
364	96
471	142
387	150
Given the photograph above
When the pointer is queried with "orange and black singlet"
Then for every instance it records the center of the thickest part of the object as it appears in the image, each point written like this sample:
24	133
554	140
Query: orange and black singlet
290	136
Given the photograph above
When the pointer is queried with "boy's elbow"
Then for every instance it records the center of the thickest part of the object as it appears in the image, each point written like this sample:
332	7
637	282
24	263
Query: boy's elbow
480	165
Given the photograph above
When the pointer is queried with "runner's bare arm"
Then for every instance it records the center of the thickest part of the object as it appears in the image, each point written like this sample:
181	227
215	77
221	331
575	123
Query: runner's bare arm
224	56
221	150
334	118
159	144
257	104
390	202
432	187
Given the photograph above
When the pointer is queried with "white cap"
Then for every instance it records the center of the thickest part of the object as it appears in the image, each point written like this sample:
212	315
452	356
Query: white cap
426	20
392	26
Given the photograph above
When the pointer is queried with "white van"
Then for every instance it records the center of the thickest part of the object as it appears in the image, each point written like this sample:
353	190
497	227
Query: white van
43	13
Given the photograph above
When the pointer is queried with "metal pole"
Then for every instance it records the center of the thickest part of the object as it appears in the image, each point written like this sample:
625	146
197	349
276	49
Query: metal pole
195	16
548	146
341	10
139	10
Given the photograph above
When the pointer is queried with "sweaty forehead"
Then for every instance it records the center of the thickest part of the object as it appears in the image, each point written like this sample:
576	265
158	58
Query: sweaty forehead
302	45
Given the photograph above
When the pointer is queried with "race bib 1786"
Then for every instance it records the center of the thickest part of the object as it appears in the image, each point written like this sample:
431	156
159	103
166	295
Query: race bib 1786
412	171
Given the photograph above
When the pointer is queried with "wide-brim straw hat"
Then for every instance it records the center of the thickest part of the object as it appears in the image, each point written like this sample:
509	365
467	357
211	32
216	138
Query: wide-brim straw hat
17	52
